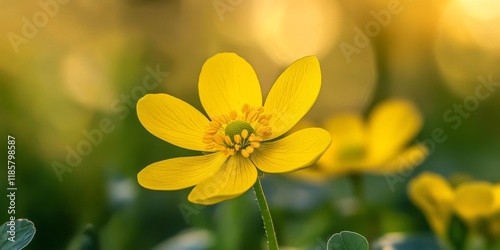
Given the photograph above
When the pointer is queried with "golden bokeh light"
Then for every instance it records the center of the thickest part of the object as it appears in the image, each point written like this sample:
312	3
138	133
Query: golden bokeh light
462	57
87	78
288	30
481	9
346	86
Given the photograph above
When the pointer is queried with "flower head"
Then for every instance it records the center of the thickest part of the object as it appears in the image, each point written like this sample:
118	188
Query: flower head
472	201
434	196
377	145
241	134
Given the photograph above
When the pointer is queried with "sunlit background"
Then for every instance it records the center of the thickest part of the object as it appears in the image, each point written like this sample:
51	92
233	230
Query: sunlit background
73	70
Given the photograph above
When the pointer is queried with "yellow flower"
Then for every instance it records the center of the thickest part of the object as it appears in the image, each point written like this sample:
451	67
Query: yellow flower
434	196
496	191
241	135
472	201
378	145
495	218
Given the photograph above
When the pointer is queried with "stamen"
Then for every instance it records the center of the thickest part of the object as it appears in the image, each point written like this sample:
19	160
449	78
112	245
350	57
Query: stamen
232	132
215	125
233	115
224	119
255	138
211	130
245	108
245	153
208	137
249	149
244	134
228	141
237	139
255	144
263	131
252	116
218	139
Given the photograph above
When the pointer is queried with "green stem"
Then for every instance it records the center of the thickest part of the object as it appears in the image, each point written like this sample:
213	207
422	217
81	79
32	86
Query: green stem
358	188
272	242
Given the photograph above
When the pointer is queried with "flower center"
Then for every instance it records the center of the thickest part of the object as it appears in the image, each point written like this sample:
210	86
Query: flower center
352	153
238	132
236	127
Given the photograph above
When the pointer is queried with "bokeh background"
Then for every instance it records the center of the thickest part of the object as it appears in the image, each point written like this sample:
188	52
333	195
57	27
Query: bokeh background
67	66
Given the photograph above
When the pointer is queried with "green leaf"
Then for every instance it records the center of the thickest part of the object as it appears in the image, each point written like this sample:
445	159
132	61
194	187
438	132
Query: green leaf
19	237
88	238
346	240
457	233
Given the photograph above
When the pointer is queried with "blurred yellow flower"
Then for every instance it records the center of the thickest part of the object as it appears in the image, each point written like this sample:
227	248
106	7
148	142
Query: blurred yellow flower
496	190
434	196
473	202
495	218
378	145
239	137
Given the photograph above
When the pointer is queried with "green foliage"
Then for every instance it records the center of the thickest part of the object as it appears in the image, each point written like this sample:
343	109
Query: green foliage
16	234
87	240
457	233
346	240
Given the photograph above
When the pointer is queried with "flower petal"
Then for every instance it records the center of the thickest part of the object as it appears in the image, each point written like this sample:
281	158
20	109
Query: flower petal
172	120
234	178
226	83
347	150
348	147
404	162
298	150
391	125
474	200
293	94
496	190
434	196
344	130
312	174
179	173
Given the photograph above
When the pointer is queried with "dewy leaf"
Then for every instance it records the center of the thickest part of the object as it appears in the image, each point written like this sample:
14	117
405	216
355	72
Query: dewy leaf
16	234
346	240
